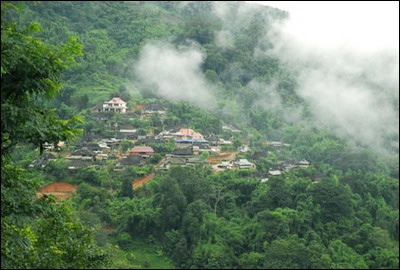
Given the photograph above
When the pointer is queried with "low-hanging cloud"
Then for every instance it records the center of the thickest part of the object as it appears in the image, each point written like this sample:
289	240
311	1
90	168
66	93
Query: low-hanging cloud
349	78
348	108
174	73
234	17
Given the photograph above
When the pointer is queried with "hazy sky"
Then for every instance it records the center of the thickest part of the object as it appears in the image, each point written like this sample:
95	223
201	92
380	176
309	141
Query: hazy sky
347	57
367	26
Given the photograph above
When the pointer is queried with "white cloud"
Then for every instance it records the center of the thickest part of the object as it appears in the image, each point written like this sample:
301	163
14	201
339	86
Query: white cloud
361	25
234	17
174	73
347	58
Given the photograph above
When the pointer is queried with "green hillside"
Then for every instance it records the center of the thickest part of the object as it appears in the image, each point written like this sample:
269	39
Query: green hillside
219	160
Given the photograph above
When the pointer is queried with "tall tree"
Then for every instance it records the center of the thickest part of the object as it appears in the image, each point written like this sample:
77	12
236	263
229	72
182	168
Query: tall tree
36	233
30	72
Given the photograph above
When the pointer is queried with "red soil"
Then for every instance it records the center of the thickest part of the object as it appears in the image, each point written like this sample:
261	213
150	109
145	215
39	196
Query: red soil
139	182
58	189
222	156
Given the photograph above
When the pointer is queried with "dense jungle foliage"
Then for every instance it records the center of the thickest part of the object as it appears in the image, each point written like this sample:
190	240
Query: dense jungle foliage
60	59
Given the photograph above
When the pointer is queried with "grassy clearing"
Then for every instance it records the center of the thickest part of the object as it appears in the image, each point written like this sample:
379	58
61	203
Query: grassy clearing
141	255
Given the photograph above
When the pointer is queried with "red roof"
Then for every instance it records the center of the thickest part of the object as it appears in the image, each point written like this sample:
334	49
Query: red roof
116	100
142	149
189	132
60	143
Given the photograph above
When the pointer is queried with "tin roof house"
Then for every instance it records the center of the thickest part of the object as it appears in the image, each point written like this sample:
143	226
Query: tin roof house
188	135
143	151
244	164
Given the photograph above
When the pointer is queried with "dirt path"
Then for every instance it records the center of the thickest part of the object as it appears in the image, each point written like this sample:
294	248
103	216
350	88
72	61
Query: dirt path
139	182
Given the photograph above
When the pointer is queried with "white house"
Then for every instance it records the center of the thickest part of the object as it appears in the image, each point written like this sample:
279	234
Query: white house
116	104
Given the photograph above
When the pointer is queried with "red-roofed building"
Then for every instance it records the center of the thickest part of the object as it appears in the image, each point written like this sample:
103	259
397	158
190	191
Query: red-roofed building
188	134
143	151
116	104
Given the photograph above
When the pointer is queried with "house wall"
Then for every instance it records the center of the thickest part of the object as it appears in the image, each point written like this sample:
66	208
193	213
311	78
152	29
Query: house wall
112	107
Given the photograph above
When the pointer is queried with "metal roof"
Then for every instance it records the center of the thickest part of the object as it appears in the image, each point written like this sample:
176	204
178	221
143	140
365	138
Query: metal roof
183	141
142	149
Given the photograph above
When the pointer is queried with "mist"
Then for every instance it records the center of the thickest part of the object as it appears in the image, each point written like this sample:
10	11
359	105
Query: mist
345	59
347	67
234	18
174	73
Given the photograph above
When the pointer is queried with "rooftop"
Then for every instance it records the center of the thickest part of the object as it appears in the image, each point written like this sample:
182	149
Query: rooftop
142	149
190	141
188	132
275	172
303	162
116	100
133	161
183	151
242	162
84	151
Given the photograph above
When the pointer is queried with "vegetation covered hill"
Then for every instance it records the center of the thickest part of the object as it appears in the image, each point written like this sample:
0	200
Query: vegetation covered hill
198	64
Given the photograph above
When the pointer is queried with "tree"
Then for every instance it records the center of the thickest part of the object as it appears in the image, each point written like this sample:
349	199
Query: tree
83	102
205	155
251	260
212	256
36	233
192	183
334	199
211	75
200	29
287	254
192	220
137	216
172	202
344	257
126	145
279	193
270	225
30	73
126	188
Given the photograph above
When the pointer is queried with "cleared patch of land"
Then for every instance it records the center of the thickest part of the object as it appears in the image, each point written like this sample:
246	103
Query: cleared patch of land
62	190
223	156
139	182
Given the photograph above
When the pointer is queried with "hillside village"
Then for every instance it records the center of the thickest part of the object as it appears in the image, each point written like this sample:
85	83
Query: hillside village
124	145
183	135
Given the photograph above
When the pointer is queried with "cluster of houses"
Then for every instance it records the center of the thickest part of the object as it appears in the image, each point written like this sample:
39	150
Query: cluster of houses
285	166
189	145
234	165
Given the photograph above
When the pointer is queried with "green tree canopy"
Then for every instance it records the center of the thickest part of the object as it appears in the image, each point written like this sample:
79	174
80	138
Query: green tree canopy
36	233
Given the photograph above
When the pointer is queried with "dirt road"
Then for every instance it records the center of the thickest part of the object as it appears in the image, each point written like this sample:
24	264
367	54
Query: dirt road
139	182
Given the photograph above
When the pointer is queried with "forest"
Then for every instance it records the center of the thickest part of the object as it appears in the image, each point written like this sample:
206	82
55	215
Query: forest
167	135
